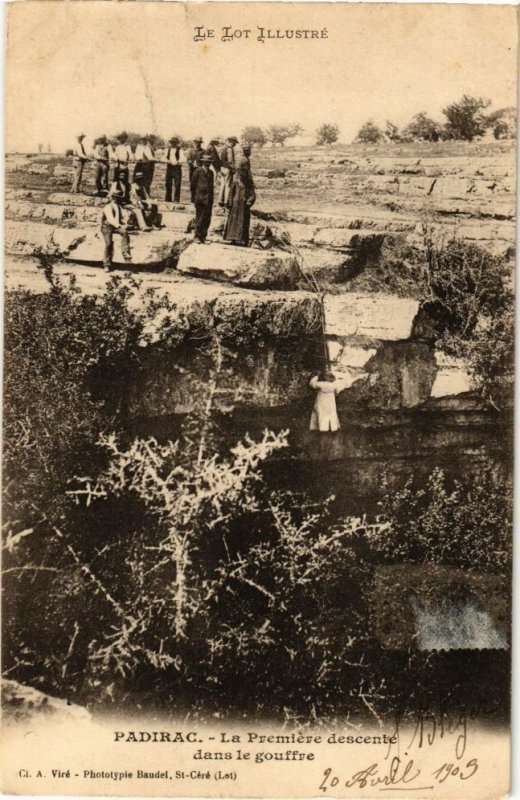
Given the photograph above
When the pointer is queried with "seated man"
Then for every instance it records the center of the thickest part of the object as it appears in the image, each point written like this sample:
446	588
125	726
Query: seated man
113	221
147	213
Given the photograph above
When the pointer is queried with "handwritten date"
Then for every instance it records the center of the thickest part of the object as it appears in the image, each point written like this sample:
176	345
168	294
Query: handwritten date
398	772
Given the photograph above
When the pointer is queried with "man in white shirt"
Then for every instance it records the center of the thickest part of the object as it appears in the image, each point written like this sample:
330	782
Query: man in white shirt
145	161
227	170
123	155
80	158
102	156
113	221
174	160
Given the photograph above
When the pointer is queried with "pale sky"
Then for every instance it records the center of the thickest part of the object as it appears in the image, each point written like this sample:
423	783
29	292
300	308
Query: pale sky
97	67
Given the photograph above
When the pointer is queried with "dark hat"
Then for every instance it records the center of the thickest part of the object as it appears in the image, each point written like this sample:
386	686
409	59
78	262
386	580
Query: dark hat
214	141
173	140
198	139
326	375
233	139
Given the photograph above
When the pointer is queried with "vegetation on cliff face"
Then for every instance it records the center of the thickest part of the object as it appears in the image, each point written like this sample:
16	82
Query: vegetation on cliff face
462	524
170	570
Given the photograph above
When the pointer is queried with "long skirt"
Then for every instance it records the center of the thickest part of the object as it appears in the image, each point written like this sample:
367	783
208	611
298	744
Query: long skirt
239	217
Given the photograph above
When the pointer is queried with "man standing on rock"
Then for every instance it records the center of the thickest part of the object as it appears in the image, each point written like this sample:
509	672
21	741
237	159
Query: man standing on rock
212	151
227	170
113	221
102	160
148	164
79	161
194	158
202	193
174	160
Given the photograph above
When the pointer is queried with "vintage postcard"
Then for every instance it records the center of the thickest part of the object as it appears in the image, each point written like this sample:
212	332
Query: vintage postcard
258	399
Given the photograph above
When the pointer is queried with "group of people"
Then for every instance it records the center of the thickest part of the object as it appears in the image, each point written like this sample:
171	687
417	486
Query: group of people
114	159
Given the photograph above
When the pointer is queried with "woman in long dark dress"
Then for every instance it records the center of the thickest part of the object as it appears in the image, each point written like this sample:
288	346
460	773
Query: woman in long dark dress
241	199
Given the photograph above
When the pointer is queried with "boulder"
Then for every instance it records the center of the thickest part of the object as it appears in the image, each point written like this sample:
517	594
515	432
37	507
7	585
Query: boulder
153	248
243	266
21	702
452	377
69	199
23	238
85	245
375	317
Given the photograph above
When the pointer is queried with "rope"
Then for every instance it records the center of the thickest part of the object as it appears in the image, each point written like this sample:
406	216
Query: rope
310	278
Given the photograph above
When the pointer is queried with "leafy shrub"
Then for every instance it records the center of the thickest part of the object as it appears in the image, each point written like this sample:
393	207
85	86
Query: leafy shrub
59	347
466	118
463	525
254	135
369	133
327	134
423	128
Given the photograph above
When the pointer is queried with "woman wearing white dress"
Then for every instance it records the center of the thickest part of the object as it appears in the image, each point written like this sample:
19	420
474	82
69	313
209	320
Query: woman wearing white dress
324	416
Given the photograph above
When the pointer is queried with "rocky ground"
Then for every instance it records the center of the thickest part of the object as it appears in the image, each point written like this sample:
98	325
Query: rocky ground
321	214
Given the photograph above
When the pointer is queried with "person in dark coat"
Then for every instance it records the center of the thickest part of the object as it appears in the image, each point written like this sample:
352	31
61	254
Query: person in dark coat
194	158
242	198
211	150
201	185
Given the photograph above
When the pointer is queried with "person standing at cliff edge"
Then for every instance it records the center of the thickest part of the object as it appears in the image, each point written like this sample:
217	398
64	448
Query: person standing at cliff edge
79	161
202	195
241	199
324	416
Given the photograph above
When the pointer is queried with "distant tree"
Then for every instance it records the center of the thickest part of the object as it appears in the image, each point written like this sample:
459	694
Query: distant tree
423	128
392	132
40	148
369	133
327	134
156	141
466	118
278	134
254	135
503	123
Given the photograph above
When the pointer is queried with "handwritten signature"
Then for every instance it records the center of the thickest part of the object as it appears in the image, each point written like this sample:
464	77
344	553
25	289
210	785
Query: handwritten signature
399	773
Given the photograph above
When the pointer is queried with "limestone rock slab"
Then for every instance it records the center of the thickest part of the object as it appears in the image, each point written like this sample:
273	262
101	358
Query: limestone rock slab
244	266
152	248
378	317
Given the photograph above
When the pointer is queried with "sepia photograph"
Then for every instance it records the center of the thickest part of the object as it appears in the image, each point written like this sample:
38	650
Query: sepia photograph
258	399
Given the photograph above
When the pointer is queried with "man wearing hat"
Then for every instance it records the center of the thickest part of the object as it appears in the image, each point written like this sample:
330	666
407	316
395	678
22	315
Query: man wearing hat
146	212
174	160
227	170
80	158
123	155
148	156
211	150
102	160
202	196
194	157
113	221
